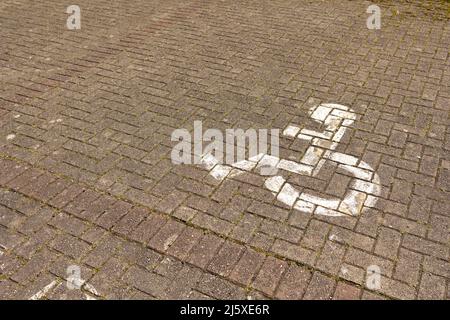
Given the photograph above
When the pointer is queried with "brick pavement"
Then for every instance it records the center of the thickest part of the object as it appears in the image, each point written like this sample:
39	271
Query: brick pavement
86	177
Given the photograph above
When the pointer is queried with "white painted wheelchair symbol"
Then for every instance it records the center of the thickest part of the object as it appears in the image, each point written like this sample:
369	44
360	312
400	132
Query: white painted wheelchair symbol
364	187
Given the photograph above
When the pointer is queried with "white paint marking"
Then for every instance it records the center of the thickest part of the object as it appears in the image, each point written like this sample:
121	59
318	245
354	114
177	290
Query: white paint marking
295	167
336	119
274	184
304	206
220	172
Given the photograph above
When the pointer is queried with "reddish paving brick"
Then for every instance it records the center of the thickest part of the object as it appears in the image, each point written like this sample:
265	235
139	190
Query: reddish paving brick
113	214
146	281
388	242
148	228
432	287
181	247
66	196
166	235
130	221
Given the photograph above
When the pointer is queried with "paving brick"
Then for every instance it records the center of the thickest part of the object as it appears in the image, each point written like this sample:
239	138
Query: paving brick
184	283
66	196
364	260
102	252
129	222
148	228
367	295
268	211
439	227
357	240
401	191
70	246
315	235
166	236
35	242
432	287
133	253
225	260
396	289
147	281
408	267
345	291
425	246
68	223
247	267
320	287
388	242
294	252
25	179
269	275
86	175
212	223
181	247
204	250
171	202
331	257
113	214
436	266
32	268
219	288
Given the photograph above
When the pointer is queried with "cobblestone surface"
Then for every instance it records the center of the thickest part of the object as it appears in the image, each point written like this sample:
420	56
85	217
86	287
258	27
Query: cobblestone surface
86	178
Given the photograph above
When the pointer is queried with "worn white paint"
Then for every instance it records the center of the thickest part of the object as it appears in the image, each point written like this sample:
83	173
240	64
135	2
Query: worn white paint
365	185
